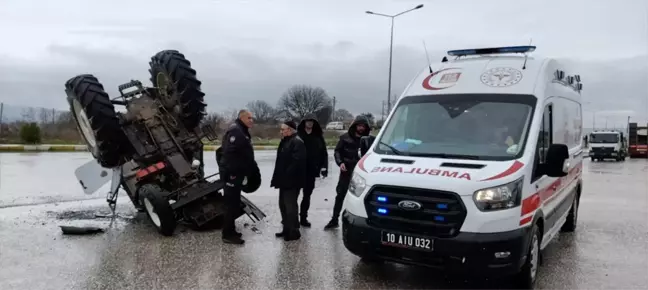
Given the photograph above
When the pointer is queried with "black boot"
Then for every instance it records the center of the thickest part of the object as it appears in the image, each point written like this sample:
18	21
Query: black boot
292	236
304	222
234	239
332	224
280	234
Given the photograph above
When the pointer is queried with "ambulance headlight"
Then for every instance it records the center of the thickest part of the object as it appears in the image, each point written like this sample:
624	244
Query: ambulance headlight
357	185
501	197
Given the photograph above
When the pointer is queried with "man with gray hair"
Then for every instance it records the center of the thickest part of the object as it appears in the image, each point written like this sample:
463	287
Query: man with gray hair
235	160
289	175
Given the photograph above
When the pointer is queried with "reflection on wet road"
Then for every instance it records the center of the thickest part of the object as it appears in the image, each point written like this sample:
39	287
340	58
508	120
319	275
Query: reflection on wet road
607	251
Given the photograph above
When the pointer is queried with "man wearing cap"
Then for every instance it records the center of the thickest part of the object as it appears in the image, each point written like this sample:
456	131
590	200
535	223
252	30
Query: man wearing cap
289	175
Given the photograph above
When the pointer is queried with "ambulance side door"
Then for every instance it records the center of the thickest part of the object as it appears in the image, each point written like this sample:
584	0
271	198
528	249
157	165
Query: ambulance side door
542	183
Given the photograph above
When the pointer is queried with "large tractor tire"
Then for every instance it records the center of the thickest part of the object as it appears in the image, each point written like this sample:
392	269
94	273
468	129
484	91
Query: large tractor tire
177	84
97	120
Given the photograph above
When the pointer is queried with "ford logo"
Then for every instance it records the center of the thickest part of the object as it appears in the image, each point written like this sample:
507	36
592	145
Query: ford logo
409	205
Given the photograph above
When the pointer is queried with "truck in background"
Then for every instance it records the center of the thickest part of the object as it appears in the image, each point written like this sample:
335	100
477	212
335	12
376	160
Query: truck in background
638	140
608	144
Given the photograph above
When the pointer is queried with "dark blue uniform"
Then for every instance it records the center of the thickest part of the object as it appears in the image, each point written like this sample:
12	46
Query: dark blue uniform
236	161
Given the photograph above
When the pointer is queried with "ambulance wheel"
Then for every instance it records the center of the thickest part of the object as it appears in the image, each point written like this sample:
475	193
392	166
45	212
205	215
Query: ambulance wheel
158	208
572	217
527	277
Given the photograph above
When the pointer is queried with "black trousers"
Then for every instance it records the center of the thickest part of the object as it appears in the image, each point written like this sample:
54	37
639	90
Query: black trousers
232	198
341	190
288	208
309	186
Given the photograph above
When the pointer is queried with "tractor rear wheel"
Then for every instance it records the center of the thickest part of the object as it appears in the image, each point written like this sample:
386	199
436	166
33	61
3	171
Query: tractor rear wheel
97	120
177	85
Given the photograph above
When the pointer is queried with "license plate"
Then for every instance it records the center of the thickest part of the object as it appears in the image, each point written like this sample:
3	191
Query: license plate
407	241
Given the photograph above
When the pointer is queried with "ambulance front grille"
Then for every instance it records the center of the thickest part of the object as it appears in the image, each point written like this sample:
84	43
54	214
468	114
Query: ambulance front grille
441	213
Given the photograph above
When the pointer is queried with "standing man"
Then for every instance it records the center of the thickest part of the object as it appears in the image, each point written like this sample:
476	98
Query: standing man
288	177
347	156
236	163
311	133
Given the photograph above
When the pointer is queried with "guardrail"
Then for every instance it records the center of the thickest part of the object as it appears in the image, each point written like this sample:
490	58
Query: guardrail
72	148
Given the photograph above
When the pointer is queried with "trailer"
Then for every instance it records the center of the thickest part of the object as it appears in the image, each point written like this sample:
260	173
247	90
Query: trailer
638	140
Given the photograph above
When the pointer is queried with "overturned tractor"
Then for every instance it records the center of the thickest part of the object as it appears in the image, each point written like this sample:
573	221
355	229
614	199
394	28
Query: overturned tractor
155	147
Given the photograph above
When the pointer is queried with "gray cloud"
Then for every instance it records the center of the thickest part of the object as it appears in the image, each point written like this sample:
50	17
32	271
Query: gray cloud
246	50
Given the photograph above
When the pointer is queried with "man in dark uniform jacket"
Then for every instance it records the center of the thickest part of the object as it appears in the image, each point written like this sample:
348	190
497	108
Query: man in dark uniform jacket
347	155
237	162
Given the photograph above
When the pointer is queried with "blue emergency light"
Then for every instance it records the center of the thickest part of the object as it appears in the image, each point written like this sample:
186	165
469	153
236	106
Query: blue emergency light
439	218
382	211
492	50
442	206
381	199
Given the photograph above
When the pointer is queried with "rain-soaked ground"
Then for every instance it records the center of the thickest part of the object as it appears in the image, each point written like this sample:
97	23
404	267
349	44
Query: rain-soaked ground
38	192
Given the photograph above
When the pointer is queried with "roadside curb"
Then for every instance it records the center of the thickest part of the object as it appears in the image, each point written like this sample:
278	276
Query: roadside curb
73	148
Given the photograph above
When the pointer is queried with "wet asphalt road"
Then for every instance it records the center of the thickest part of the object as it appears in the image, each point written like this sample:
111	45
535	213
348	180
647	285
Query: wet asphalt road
38	192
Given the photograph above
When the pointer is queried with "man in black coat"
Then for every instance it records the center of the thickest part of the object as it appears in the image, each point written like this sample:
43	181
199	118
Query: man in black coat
347	155
289	175
311	132
235	163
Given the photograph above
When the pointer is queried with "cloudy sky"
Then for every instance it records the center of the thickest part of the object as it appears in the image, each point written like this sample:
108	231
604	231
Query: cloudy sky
247	50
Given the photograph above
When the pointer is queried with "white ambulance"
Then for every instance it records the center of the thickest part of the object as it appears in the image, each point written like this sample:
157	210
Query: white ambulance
476	169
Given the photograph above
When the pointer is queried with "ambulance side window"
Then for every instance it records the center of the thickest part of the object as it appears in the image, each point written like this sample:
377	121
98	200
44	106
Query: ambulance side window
545	139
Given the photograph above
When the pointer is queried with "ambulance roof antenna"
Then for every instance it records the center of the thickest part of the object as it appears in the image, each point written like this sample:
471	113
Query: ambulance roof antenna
427	56
526	55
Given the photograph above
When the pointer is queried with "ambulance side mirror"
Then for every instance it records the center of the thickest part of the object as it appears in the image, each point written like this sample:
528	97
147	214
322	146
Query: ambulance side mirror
365	144
557	160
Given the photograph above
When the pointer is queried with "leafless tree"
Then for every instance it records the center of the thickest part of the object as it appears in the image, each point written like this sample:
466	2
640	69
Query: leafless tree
44	116
301	100
215	120
230	116
370	117
342	115
324	115
263	112
29	115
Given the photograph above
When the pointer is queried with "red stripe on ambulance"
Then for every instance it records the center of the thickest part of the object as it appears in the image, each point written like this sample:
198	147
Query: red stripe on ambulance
517	165
545	195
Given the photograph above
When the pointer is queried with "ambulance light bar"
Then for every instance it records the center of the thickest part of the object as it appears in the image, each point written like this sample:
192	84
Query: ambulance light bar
492	50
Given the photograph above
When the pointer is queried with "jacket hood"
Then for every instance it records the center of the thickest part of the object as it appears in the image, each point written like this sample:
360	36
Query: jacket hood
360	119
317	129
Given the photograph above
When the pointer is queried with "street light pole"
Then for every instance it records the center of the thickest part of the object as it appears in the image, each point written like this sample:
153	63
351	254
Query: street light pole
391	48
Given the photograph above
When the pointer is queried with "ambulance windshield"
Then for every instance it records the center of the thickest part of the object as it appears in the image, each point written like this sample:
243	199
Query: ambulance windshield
482	127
